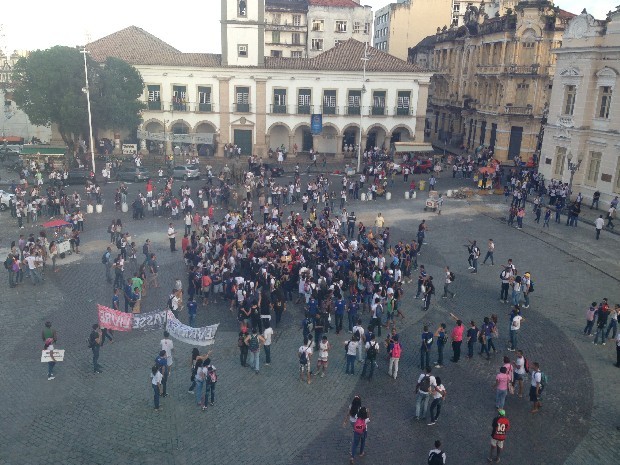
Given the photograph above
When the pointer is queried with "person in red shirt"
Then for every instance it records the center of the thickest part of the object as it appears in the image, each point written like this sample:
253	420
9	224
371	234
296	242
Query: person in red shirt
457	340
501	425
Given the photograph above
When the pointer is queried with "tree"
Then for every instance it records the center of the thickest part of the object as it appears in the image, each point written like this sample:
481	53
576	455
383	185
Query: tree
48	86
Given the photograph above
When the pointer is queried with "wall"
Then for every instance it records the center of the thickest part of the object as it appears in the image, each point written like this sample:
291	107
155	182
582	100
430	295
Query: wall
330	15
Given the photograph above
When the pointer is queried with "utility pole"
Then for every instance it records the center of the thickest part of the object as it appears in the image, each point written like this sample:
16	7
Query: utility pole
90	117
365	59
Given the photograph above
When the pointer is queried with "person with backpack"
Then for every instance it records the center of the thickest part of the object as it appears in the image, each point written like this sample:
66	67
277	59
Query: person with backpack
423	389
243	347
360	430
536	387
439	394
395	350
436	456
500	426
210	382
520	368
372	350
441	336
106	259
305	355
446	287
428	293
425	348
254	341
350	348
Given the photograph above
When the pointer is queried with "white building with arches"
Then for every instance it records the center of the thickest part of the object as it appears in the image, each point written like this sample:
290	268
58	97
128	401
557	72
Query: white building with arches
583	124
260	102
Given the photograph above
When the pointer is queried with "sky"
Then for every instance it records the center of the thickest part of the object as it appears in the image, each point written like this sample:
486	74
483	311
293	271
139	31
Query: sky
189	26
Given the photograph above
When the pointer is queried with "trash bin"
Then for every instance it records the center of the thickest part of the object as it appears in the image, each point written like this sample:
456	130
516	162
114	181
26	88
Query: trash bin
422	185
98	208
407	194
89	208
363	197
124	207
388	195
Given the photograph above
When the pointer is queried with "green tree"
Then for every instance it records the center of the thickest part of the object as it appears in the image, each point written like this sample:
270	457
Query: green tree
48	86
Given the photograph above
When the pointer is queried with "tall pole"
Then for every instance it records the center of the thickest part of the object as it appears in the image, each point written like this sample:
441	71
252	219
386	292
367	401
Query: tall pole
365	59
90	116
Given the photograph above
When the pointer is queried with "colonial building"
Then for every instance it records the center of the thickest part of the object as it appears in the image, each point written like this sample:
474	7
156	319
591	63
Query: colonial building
493	78
286	28
583	127
260	102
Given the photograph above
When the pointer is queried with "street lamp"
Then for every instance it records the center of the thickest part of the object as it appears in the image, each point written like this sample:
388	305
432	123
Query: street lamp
365	59
573	168
86	90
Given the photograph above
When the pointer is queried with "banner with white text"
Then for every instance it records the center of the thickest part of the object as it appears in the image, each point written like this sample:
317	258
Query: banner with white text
202	336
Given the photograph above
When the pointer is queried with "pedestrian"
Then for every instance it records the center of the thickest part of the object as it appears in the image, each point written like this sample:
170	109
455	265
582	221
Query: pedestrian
436	456
351	351
395	350
379	222
472	336
425	348
305	358
457	341
547	217
515	327
254	342
441	337
200	378
210	382
610	216
502	379
423	388
94	342
519	370
360	429
490	251
172	237
448	282
536	388
354	408
162	366
598	225
602	315
505	277
372	350
167	345
618	350
500	426
267	335
439	394
156	378
613	322
48	332
49	346
243	347
428	294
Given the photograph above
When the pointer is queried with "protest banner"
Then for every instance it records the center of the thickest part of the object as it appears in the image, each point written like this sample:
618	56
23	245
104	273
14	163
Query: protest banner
148	321
59	356
202	336
113	319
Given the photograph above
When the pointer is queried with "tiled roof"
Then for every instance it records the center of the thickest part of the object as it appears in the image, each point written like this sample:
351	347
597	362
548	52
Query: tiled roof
338	3
345	56
286	5
137	47
563	14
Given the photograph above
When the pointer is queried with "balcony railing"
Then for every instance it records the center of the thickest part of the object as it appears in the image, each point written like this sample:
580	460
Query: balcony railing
304	109
402	111
241	108
352	110
489	69
154	106
521	69
285	27
179	106
205	107
513	110
328	110
279	109
440	101
377	111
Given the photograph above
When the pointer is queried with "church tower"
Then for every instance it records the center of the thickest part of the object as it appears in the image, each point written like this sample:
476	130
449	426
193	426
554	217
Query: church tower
243	32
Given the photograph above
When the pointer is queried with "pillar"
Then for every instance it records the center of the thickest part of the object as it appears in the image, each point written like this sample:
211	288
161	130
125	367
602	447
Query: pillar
364	141
420	112
315	140
224	135
267	140
387	142
261	116
291	144
339	153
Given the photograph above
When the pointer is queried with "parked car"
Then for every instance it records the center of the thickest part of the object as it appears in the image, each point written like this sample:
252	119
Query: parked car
423	166
275	171
5	198
80	176
186	172
132	173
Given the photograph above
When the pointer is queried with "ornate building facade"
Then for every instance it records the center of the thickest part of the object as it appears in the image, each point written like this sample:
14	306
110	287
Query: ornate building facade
493	78
583	129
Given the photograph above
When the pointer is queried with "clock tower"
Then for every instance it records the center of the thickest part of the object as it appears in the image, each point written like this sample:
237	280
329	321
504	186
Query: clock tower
243	32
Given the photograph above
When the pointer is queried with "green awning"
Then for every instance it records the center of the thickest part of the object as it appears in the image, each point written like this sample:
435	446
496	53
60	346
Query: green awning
42	149
402	147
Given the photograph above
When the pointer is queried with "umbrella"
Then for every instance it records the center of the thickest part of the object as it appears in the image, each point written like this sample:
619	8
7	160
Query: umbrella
56	224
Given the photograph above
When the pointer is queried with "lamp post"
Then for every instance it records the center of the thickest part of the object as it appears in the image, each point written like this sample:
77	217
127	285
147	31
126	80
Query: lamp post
364	59
165	143
573	168
90	117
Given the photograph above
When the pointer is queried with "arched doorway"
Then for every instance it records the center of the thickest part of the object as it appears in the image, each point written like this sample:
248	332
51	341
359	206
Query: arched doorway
376	137
178	145
278	136
303	138
206	149
350	140
401	134
155	146
328	141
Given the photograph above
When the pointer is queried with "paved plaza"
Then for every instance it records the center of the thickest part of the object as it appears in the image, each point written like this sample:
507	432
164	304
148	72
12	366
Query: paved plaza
107	418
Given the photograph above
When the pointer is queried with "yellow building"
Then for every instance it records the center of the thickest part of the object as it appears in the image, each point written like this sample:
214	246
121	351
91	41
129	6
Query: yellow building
493	78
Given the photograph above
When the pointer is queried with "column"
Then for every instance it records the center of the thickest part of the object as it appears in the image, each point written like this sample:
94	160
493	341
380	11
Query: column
420	112
261	116
339	154
387	142
224	135
291	144
267	140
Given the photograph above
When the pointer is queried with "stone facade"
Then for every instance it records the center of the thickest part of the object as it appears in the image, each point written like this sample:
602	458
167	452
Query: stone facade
493	78
584	115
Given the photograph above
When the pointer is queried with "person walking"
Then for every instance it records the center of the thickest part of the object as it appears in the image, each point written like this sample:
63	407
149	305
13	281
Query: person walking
515	327
504	277
590	317
472	336
322	361
395	351
502	379
519	370
94	342
162	366
490	251
210	382
447	283
360	429
156	378
106	259
48	345
425	348
602	315
254	342
379	222
267	336
428	294
613	322
436	456
351	351
598	226
372	350
457	341
423	388
305	358
500	426
438	393
441	336
172	237
536	388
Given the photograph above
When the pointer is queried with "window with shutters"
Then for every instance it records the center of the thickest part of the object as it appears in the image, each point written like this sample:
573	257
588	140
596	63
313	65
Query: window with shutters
179	98
354	102
296	38
296	20
276	53
276	18
329	102
594	166
560	161
604	102
378	102
403	102
296	54
367	28
279	101
317	44
204	99
304	97
341	26
154	97
318	25
242	99
521	94
275	37
570	93
242	50
357	27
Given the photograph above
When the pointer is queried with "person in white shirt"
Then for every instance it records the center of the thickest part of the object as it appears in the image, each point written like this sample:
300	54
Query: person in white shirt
598	224
172	237
168	346
305	359
536	388
156	378
351	349
515	326
267	334
321	364
439	394
519	371
358	330
425	384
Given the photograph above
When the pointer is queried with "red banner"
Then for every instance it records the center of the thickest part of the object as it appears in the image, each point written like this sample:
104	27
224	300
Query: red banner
113	319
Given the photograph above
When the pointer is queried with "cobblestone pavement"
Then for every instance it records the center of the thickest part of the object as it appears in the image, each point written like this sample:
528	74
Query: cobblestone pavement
81	417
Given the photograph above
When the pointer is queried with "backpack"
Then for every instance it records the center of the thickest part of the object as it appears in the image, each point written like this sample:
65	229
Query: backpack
371	353
169	304
90	341
253	345
531	289
118	243
396	350
452	276
425	384
526	365
8	263
104	258
211	377
145	249
379	311
303	357
543	381
359	426
435	458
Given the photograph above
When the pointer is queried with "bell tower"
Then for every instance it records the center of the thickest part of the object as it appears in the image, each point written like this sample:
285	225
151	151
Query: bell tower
243	32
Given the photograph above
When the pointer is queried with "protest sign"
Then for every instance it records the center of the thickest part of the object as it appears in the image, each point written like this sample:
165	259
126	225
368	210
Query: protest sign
113	319
202	336
59	356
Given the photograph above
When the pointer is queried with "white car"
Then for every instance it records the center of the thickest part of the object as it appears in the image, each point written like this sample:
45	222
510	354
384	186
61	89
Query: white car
5	198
